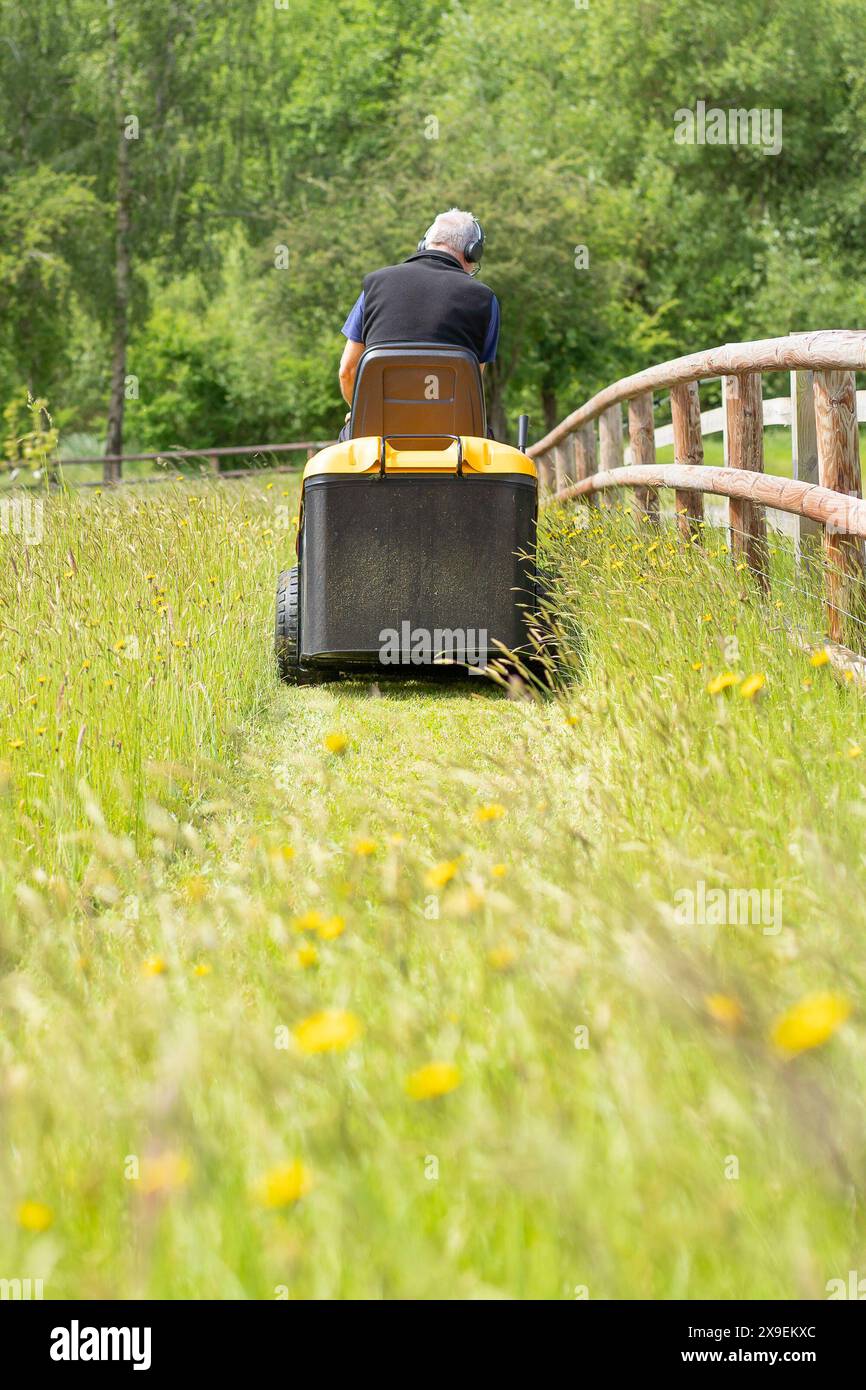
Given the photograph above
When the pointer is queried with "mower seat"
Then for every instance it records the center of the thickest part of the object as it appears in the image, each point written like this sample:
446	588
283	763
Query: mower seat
418	390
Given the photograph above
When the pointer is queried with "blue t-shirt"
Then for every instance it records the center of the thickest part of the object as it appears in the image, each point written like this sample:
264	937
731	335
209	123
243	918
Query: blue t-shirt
353	328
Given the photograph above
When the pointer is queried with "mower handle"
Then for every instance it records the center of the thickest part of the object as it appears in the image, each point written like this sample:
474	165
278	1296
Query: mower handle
453	437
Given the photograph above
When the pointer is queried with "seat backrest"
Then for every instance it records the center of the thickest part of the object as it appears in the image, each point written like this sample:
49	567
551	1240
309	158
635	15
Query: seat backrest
418	389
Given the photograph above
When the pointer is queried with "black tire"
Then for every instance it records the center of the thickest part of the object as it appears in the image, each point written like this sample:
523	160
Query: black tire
286	627
287	639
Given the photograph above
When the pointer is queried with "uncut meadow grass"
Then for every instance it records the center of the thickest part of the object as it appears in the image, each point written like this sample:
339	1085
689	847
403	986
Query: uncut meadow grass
187	873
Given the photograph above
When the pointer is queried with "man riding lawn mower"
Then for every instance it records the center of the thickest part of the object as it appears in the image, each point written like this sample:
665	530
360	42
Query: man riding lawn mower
416	533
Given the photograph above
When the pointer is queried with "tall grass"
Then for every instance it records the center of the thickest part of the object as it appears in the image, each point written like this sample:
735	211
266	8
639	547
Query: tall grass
458	878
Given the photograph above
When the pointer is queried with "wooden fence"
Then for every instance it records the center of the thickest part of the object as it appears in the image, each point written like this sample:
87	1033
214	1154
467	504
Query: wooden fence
822	410
112	464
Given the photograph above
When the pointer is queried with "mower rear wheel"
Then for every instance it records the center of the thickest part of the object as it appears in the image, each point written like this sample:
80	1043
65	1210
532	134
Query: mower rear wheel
286	627
287	634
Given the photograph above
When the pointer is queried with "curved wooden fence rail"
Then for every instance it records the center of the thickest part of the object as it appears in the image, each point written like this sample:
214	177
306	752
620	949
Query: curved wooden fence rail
825	491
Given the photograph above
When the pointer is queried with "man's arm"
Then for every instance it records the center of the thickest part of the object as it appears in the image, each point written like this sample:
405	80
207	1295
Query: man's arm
348	368
353	331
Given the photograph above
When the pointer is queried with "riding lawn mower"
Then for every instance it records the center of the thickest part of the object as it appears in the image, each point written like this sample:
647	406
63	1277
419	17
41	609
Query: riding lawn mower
416	534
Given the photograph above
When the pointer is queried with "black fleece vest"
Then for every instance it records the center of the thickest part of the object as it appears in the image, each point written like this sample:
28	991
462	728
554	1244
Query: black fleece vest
428	298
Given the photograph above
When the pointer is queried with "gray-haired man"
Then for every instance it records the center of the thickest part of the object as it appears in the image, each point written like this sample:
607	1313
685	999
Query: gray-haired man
431	297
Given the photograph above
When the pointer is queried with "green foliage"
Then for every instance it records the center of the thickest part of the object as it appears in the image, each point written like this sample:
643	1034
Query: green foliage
49	225
338	131
31	438
210	365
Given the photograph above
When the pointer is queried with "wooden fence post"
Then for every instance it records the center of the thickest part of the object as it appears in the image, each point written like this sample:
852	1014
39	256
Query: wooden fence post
554	466
804	457
585	457
838	443
688	448
545	467
610	445
111	469
564	456
744	443
642	437
214	461
610	438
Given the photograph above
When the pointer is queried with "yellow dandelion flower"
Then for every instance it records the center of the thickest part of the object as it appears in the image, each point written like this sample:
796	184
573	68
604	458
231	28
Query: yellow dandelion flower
332	1030
697	666
195	888
364	847
41	679
434	1079
283	1185
722	682
724	1009
306	956
202	969
819	658
309	921
332	928
336	743
491	810
286	852
502	957
810	1022
498	870
34	1217
154	965
807	684
397	839
166	1172
847	676
854	751
708	617
440	874
16	743
752	684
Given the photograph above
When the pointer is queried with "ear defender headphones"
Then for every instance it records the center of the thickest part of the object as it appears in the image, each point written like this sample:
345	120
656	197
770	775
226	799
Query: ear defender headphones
473	250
